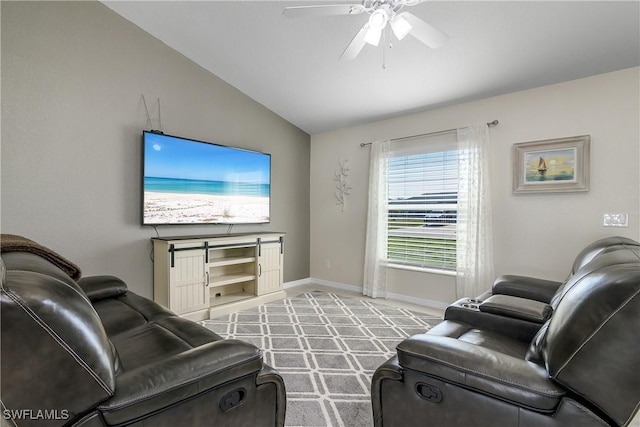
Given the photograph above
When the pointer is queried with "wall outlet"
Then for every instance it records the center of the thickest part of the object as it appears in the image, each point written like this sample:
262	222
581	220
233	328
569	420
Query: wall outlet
615	220
327	263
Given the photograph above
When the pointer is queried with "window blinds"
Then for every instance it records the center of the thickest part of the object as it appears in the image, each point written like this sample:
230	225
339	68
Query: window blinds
422	209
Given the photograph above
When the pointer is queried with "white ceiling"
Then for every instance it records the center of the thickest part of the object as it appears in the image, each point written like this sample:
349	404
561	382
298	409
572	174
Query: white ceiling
291	65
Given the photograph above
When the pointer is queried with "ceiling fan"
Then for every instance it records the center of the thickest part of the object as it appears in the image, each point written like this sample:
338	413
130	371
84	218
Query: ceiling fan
381	13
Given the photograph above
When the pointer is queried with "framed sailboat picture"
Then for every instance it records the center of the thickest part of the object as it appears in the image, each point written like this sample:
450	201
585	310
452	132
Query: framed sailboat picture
552	165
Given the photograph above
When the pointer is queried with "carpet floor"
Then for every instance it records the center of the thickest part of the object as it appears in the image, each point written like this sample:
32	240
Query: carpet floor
326	347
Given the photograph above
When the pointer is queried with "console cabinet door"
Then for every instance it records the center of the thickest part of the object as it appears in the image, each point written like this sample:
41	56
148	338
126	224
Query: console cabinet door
188	282
270	266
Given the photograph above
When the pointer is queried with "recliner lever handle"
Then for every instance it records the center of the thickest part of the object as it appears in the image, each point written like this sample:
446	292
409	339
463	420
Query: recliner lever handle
429	392
232	399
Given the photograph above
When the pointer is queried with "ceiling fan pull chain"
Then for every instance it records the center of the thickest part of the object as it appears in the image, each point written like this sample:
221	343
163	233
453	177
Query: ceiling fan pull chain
384	49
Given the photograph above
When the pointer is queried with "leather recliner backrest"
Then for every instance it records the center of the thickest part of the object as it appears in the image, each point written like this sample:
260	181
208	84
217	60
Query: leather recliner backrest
590	345
56	355
586	255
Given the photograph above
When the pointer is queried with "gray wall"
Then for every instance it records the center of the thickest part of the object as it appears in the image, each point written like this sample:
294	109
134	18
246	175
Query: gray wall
534	234
73	76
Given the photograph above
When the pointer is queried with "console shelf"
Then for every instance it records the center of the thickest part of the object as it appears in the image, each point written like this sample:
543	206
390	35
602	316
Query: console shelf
229	279
230	298
193	274
221	262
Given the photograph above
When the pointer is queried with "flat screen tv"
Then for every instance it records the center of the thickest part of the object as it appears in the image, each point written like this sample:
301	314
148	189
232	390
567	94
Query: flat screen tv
194	182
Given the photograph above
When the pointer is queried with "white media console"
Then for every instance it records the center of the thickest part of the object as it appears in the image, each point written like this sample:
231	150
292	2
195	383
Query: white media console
199	277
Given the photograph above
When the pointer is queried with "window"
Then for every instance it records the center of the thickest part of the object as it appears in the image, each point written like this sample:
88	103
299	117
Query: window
422	207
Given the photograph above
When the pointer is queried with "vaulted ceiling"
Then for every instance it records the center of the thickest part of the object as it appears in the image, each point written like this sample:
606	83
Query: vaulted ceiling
291	66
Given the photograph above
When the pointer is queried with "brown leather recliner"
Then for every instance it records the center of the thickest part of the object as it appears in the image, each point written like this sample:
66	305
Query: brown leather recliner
580	369
92	353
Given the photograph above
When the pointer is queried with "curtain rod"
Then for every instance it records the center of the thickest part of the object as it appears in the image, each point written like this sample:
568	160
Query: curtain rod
364	144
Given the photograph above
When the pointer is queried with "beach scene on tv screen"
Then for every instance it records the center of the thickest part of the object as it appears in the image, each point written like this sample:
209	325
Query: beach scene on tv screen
191	182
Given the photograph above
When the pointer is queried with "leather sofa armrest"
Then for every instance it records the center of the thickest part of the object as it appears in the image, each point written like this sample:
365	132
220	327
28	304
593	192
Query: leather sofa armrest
481	369
151	388
526	287
519	308
389	370
101	287
267	376
464	312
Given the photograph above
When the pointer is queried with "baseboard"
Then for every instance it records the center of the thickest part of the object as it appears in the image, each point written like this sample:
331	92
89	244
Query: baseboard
322	282
295	283
337	285
438	305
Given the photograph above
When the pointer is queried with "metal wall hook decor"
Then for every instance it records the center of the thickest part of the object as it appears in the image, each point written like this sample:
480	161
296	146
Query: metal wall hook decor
149	119
343	186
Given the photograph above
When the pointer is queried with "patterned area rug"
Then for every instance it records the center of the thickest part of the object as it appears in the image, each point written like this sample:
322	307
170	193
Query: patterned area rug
326	348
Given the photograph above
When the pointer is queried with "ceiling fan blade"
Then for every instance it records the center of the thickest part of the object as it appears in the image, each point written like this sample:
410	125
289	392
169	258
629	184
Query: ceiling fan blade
424	32
323	10
356	44
413	2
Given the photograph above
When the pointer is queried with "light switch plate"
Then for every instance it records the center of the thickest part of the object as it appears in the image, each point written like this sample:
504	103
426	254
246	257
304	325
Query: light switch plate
615	220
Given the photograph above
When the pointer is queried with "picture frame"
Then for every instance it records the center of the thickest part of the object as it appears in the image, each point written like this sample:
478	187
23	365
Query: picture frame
552	165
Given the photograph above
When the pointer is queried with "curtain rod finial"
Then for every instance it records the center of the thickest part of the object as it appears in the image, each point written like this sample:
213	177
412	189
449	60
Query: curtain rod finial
493	123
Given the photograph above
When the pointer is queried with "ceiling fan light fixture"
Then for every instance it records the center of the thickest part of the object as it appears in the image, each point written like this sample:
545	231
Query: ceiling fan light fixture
373	36
381	13
378	19
377	22
400	26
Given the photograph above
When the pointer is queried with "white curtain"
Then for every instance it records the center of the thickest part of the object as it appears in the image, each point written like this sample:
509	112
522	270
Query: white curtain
375	262
474	253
